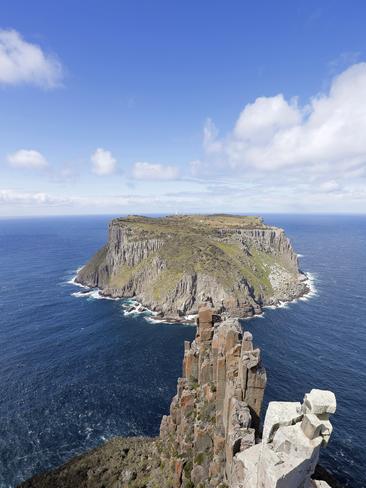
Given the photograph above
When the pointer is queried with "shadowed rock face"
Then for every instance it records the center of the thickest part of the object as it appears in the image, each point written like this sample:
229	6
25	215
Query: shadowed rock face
172	264
210	438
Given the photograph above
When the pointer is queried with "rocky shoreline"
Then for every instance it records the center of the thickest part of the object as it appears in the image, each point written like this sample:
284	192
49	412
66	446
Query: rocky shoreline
133	307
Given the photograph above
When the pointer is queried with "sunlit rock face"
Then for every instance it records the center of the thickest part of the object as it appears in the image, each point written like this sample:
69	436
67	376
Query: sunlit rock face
211	438
172	264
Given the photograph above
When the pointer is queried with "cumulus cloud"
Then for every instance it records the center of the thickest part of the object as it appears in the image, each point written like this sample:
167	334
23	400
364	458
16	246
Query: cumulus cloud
272	134
103	162
27	158
149	171
24	63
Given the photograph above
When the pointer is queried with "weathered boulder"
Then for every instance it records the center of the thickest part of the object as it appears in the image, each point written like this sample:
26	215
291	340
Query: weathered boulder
289	451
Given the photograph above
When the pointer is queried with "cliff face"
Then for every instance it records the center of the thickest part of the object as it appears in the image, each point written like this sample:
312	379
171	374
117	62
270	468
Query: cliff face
210	439
172	264
216	410
211	436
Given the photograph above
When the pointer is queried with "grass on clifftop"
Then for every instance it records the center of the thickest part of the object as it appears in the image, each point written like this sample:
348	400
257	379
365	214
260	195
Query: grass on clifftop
202	224
198	244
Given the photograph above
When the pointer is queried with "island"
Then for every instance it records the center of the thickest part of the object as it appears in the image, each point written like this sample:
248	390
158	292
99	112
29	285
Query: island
171	264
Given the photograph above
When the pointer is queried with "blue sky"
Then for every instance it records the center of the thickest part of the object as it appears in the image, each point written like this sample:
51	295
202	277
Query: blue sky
171	106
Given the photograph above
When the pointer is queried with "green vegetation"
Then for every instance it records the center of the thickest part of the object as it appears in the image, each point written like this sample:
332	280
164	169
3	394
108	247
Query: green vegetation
172	252
205	244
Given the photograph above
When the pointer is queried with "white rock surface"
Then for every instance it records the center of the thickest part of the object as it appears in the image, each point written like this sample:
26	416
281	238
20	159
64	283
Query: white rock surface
289	451
280	413
320	402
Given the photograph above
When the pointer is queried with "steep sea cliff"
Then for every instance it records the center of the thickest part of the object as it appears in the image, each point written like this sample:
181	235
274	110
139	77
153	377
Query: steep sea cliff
172	264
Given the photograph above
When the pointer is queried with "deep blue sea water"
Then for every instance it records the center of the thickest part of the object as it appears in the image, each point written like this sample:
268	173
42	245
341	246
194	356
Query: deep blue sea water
75	371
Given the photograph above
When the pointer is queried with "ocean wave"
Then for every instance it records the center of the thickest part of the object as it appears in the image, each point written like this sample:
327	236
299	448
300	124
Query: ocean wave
155	320
133	307
92	293
310	282
73	281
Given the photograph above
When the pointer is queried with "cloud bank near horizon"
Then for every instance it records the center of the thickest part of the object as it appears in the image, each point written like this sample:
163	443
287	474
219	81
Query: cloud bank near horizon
280	155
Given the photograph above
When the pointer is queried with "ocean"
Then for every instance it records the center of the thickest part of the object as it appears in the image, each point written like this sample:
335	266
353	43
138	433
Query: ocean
75	371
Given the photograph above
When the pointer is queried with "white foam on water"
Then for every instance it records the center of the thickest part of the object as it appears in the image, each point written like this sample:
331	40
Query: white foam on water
93	293
154	320
75	283
138	308
310	282
256	316
80	294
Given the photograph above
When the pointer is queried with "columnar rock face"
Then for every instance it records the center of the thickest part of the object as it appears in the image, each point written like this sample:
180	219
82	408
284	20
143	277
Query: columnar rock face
172	264
211	438
215	412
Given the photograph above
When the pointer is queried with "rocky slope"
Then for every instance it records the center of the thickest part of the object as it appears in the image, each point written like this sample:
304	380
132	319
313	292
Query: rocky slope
211	439
172	264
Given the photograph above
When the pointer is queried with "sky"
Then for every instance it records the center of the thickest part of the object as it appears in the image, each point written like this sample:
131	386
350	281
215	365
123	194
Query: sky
167	106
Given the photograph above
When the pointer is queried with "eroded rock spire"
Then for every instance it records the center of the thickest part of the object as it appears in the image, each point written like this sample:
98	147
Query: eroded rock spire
211	437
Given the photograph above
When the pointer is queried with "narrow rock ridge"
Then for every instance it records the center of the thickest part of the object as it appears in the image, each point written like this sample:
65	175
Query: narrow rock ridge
211	437
173	264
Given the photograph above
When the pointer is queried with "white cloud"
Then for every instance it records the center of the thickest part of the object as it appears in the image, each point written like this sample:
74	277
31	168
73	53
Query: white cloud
330	186
103	162
27	158
22	62
261	120
323	137
195	196
16	197
149	171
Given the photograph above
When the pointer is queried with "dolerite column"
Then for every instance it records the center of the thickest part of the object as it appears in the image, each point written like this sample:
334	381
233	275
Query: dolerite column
204	336
253	377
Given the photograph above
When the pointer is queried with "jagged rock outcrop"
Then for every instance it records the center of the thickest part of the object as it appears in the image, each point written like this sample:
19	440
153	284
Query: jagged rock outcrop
211	435
211	439
215	412
289	451
172	264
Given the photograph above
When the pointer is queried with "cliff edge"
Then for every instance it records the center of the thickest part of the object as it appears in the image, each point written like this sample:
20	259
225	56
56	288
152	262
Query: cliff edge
172	264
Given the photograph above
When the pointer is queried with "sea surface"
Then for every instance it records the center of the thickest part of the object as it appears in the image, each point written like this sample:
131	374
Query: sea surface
74	371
